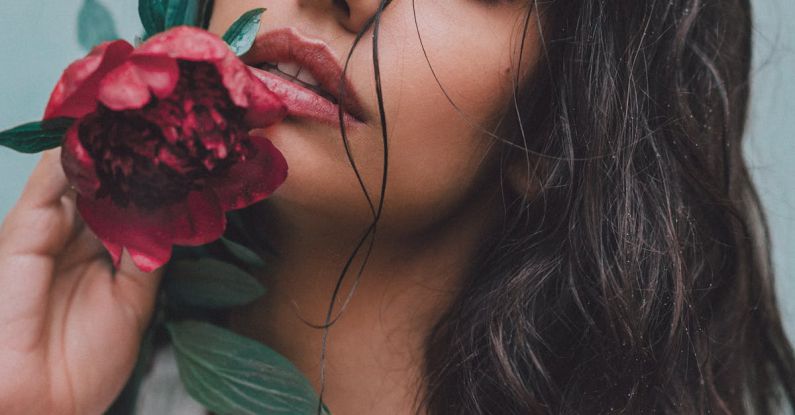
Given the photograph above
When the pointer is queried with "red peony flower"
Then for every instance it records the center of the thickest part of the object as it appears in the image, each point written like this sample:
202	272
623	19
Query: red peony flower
160	148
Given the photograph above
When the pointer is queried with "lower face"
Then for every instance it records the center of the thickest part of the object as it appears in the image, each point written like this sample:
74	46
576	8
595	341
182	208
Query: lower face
439	157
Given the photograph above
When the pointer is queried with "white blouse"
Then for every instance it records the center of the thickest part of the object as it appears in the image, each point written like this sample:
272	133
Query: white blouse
162	391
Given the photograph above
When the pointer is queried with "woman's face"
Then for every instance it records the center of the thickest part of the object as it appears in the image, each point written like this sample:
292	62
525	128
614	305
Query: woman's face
439	158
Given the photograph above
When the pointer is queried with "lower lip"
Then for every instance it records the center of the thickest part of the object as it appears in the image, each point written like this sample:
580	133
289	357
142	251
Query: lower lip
303	102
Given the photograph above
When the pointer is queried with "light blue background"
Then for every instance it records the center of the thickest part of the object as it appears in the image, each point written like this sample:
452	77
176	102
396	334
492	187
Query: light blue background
37	40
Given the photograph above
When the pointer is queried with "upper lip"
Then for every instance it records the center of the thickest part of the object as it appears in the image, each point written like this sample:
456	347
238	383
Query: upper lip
286	45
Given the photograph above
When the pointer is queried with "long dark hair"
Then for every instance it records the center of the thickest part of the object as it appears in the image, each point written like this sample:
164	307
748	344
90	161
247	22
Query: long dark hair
636	277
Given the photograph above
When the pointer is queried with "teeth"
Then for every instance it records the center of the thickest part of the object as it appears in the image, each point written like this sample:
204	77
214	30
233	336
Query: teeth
294	71
289	68
307	77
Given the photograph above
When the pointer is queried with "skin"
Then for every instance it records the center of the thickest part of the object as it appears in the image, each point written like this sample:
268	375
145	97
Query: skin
62	304
442	195
437	157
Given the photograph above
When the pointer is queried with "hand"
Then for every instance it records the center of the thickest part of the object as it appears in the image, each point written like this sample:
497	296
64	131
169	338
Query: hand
70	325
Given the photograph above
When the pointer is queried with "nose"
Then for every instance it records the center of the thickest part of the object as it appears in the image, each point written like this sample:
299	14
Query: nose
354	15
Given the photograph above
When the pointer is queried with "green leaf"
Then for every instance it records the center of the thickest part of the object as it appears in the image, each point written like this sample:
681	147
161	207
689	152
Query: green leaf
95	24
36	136
205	14
242	253
231	374
241	229
243	31
182	12
153	16
210	283
189	252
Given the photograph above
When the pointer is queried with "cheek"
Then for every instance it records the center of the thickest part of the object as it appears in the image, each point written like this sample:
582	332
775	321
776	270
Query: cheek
430	174
435	174
438	156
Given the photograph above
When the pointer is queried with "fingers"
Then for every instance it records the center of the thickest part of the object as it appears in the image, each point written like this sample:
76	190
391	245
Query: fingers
137	290
47	183
38	227
43	218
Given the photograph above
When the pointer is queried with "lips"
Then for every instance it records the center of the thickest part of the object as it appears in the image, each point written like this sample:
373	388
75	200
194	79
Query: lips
320	102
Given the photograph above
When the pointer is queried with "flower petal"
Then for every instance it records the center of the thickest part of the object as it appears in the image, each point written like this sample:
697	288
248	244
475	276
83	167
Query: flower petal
160	73
238	80
264	107
247	91
77	163
152	258
255	179
192	44
186	43
75	93
202	222
127	228
149	236
124	89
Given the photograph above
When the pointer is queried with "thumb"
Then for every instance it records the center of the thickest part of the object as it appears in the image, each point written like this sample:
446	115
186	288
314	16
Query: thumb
137	290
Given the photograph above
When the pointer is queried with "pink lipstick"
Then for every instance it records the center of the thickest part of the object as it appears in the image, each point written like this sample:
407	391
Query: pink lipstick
317	90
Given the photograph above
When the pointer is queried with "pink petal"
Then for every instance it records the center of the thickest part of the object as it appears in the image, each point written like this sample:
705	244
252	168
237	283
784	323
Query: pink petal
201	220
264	107
115	227
159	73
149	236
131	85
124	89
151	259
247	91
186	43
252	180
77	163
192	44
237	79
196	45
75	93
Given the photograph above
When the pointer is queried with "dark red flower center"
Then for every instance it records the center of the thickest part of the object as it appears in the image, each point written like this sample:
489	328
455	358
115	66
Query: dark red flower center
156	155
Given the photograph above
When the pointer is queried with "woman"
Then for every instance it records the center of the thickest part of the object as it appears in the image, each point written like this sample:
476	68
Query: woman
567	225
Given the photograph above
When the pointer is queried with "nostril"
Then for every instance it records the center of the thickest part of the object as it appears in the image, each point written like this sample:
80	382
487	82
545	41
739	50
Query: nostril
342	4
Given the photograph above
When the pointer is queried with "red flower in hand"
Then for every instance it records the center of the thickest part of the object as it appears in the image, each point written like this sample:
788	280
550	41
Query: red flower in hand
161	148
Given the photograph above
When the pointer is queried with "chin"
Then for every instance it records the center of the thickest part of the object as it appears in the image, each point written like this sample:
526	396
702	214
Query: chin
313	206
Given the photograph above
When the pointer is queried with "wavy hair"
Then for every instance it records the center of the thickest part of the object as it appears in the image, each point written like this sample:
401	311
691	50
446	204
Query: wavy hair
636	277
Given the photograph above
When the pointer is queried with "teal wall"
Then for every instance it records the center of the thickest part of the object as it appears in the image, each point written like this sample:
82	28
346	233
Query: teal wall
38	40
770	144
